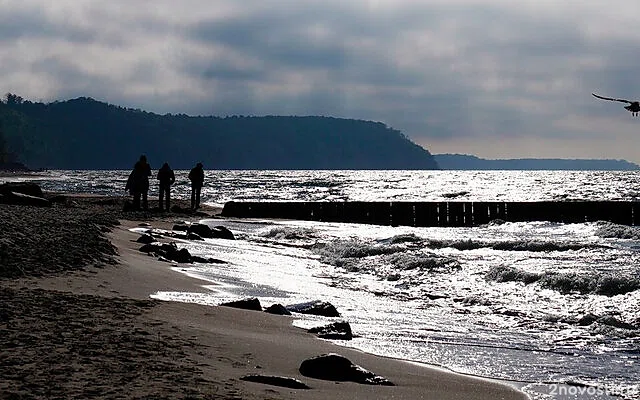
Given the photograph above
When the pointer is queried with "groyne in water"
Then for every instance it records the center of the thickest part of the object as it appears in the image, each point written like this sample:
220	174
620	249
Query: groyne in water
443	214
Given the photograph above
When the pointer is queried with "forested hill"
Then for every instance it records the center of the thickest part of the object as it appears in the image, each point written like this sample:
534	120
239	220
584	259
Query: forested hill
87	134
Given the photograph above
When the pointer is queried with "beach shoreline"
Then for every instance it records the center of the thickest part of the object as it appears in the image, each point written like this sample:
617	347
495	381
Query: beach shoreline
216	345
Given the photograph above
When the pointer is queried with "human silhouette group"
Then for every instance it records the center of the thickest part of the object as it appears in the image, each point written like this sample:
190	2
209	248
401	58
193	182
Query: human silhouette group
138	184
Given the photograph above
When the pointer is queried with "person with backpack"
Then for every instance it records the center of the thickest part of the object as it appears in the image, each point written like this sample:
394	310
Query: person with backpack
138	183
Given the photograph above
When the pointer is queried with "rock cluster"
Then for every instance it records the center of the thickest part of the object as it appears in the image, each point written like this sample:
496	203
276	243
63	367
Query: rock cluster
330	366
327	366
170	252
336	331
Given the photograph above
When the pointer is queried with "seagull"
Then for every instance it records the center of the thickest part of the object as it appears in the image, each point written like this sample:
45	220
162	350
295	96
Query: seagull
633	107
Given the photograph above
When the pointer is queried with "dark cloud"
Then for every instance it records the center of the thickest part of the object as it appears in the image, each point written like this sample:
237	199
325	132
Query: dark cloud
222	70
33	24
464	70
274	45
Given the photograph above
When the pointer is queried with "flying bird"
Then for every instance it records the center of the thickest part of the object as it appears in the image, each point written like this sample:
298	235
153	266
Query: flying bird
633	107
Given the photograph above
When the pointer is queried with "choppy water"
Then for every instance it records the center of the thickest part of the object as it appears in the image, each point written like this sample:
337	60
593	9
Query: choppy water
223	186
539	303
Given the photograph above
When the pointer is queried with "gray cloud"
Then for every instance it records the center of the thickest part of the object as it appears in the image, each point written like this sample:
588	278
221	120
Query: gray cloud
445	73
33	24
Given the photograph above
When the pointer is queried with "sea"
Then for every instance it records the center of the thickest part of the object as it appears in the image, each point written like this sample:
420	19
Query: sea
551	308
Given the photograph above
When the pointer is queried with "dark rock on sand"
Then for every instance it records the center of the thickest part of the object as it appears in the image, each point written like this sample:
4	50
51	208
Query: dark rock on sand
21	199
282	381
335	331
168	251
201	230
317	307
194	236
221	232
218	232
146	239
334	367
277	309
150	248
203	260
179	235
184	236
28	188
180	227
182	256
246	304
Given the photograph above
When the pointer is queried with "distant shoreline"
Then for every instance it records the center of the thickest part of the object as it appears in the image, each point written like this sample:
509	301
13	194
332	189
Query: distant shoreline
466	162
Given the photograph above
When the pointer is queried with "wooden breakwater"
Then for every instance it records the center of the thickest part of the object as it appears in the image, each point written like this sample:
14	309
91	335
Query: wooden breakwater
444	214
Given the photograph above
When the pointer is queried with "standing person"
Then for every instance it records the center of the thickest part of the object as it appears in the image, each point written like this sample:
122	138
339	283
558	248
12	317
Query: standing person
166	178
138	183
196	176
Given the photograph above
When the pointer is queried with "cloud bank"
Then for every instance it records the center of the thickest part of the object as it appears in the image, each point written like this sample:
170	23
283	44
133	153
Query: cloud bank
492	78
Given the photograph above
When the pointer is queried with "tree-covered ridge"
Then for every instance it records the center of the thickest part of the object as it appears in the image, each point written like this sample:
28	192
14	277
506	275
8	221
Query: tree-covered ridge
87	134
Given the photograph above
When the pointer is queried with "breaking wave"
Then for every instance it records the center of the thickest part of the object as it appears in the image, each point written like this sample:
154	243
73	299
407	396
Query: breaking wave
386	261
610	230
355	249
289	233
421	261
568	282
403	238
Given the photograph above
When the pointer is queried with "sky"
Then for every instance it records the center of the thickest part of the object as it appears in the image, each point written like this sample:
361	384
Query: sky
492	78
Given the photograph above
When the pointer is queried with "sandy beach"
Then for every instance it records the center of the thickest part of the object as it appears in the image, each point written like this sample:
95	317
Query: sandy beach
77	322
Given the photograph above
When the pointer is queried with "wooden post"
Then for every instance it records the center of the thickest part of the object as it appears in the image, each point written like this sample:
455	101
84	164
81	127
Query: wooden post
402	214
426	214
455	212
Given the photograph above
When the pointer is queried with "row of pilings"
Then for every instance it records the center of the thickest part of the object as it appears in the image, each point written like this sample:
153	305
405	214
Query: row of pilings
433	214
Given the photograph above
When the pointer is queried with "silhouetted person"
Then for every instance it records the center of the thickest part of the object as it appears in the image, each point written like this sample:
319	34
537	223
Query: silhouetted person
166	178
196	176
138	183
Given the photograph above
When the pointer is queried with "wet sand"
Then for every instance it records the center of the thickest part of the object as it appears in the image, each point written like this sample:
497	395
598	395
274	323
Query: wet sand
87	328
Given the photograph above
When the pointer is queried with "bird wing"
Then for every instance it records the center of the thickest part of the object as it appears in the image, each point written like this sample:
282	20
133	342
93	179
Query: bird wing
609	98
